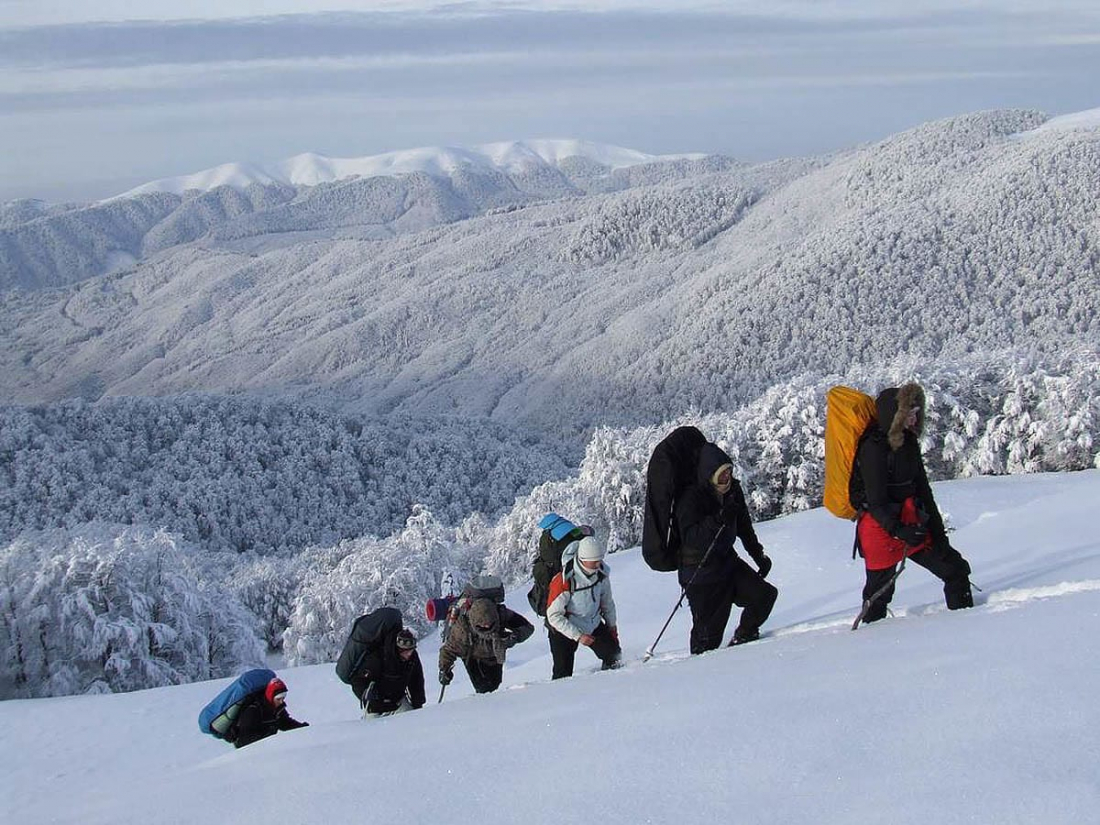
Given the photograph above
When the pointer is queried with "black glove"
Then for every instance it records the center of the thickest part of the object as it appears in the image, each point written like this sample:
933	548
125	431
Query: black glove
912	534
765	565
445	676
509	640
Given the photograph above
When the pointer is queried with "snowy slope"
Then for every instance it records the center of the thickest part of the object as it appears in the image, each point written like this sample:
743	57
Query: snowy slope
983	716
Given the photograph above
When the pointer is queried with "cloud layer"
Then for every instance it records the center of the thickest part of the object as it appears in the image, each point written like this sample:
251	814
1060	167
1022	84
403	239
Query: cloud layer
90	108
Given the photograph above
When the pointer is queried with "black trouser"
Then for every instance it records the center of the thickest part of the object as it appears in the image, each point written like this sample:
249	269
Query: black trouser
713	593
942	561
564	650
485	674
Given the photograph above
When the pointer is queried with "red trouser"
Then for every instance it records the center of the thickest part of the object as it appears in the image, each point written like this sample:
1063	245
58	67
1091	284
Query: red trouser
881	550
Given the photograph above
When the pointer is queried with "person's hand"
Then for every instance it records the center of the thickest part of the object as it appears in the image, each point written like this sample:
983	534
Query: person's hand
586	640
912	534
445	676
509	639
764	564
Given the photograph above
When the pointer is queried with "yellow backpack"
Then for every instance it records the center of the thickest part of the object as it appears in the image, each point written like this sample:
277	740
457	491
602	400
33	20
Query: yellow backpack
847	414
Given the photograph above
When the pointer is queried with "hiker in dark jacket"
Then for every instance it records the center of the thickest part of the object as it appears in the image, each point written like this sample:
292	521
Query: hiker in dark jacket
263	713
899	516
481	637
712	515
380	663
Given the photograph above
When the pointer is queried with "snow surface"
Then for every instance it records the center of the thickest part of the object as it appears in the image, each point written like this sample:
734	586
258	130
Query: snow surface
981	716
1088	119
310	169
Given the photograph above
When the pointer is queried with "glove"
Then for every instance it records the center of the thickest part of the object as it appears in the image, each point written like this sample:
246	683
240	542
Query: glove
445	676
764	564
509	640
586	640
912	534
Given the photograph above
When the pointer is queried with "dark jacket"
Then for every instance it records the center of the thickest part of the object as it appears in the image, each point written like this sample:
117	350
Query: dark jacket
702	514
393	676
891	467
463	642
258	720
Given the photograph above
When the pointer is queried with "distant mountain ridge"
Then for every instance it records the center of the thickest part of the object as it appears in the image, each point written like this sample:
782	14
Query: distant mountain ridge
633	298
375	197
310	169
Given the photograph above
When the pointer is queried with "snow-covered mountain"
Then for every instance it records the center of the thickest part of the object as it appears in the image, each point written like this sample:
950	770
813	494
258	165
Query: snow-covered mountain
247	206
985	715
309	169
692	285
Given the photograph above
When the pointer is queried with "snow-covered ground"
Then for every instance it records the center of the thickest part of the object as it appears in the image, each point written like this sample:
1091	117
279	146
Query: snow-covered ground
981	716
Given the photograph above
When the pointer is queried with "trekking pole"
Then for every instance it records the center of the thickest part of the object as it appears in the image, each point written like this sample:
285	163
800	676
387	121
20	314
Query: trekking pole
868	602
683	592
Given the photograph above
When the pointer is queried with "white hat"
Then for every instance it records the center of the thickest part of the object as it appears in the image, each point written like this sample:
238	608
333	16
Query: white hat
590	550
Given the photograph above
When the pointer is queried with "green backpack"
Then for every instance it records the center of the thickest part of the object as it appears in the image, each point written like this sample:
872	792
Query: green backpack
557	534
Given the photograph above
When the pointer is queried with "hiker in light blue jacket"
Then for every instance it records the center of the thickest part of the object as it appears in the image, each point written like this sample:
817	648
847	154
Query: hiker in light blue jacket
580	608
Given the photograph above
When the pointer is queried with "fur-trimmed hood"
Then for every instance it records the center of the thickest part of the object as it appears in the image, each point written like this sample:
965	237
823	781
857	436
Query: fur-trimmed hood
893	406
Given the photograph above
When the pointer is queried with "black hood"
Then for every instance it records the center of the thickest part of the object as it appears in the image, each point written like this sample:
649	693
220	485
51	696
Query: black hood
711	457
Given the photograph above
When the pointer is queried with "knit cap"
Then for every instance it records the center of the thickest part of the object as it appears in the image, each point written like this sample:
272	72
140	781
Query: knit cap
589	549
276	687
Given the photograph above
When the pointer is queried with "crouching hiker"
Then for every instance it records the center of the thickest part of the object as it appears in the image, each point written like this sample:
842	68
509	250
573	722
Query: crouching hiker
380	663
264	714
711	516
480	630
581	609
898	515
251	708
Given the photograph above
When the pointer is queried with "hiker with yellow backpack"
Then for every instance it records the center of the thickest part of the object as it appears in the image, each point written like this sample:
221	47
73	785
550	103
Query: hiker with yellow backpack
875	475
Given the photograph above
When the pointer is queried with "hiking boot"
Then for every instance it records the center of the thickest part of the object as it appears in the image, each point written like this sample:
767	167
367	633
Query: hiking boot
739	638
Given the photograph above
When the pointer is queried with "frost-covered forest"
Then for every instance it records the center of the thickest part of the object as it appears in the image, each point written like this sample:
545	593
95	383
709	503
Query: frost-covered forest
298	404
245	475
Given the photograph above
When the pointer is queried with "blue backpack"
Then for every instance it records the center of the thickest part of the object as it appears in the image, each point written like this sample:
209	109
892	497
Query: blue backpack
218	716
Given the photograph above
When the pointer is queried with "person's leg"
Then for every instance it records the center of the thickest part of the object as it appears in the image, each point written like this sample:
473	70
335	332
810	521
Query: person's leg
485	676
711	602
947	564
876	579
606	648
360	686
757	596
564	651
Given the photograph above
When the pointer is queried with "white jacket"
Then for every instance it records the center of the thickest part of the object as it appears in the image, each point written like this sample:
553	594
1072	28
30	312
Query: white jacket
577	602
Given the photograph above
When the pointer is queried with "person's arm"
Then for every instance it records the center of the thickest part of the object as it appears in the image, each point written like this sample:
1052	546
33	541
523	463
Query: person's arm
416	683
935	524
745	530
285	721
699	525
607	605
519	628
556	609
873	466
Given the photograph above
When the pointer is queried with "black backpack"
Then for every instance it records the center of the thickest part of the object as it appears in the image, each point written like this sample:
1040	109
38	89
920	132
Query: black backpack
557	534
367	636
672	469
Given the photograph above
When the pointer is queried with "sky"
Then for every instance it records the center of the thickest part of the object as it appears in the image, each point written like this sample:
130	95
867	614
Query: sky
929	716
96	98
